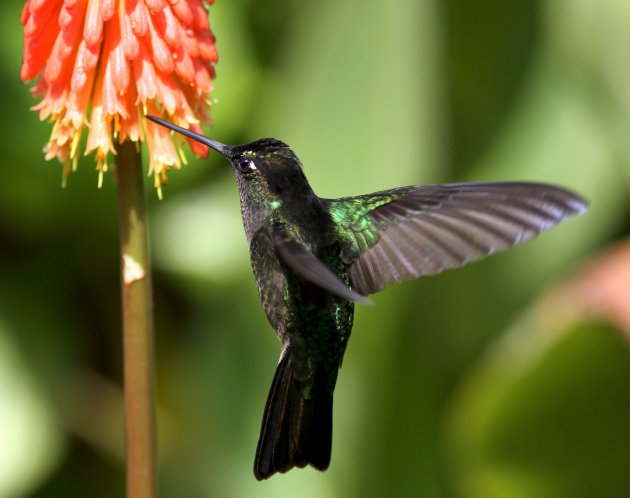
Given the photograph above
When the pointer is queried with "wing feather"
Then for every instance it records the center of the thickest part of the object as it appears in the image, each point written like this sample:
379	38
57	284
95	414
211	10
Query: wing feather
413	231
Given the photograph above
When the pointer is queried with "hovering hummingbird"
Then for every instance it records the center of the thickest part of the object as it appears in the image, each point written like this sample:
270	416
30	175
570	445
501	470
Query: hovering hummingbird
313	258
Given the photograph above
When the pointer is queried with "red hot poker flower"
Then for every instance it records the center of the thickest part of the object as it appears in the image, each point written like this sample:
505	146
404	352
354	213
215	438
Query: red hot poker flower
102	64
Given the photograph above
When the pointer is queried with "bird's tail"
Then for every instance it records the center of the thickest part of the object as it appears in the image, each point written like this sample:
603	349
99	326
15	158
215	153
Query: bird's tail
295	431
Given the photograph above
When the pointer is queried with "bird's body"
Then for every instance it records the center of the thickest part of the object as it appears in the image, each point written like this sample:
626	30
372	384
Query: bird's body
313	324
313	327
312	258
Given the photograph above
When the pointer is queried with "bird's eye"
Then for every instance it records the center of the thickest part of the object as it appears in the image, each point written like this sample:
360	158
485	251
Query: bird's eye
245	165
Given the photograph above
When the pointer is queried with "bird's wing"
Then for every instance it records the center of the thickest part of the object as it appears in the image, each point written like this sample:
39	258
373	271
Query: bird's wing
302	261
408	232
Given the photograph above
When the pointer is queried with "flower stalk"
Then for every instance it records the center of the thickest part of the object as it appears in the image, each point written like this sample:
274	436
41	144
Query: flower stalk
138	335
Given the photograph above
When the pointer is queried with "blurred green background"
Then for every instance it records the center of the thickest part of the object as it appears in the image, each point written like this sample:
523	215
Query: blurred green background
509	378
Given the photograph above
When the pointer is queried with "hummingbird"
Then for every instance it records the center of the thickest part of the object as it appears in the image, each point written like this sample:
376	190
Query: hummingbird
313	258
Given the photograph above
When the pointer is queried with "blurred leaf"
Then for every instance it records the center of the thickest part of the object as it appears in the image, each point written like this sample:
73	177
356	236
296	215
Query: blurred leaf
31	440
489	52
554	425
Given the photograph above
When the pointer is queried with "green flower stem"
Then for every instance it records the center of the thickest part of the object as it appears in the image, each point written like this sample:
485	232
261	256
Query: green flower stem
138	340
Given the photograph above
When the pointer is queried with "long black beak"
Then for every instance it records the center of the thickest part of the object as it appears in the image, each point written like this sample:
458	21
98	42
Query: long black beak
218	146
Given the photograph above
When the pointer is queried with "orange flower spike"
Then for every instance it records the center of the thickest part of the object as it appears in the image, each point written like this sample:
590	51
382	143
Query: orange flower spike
146	77
99	136
184	12
156	6
121	66
137	15
168	25
39	37
130	128
93	29
107	62
130	43
160	51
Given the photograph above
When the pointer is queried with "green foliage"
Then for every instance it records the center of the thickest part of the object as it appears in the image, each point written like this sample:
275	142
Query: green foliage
432	400
557	429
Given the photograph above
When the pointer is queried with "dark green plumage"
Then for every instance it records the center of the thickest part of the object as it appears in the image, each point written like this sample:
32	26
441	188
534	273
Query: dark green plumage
312	258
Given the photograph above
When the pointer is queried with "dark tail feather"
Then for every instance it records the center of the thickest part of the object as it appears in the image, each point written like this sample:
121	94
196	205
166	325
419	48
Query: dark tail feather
295	431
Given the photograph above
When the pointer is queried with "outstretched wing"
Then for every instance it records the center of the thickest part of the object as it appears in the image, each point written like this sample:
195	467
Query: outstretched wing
413	231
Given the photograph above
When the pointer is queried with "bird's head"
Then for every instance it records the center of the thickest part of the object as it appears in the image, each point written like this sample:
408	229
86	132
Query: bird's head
267	170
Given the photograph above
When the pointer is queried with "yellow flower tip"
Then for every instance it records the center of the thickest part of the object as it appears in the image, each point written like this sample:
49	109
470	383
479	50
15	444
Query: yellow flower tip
75	146
104	63
116	125
182	156
101	166
158	181
64	174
